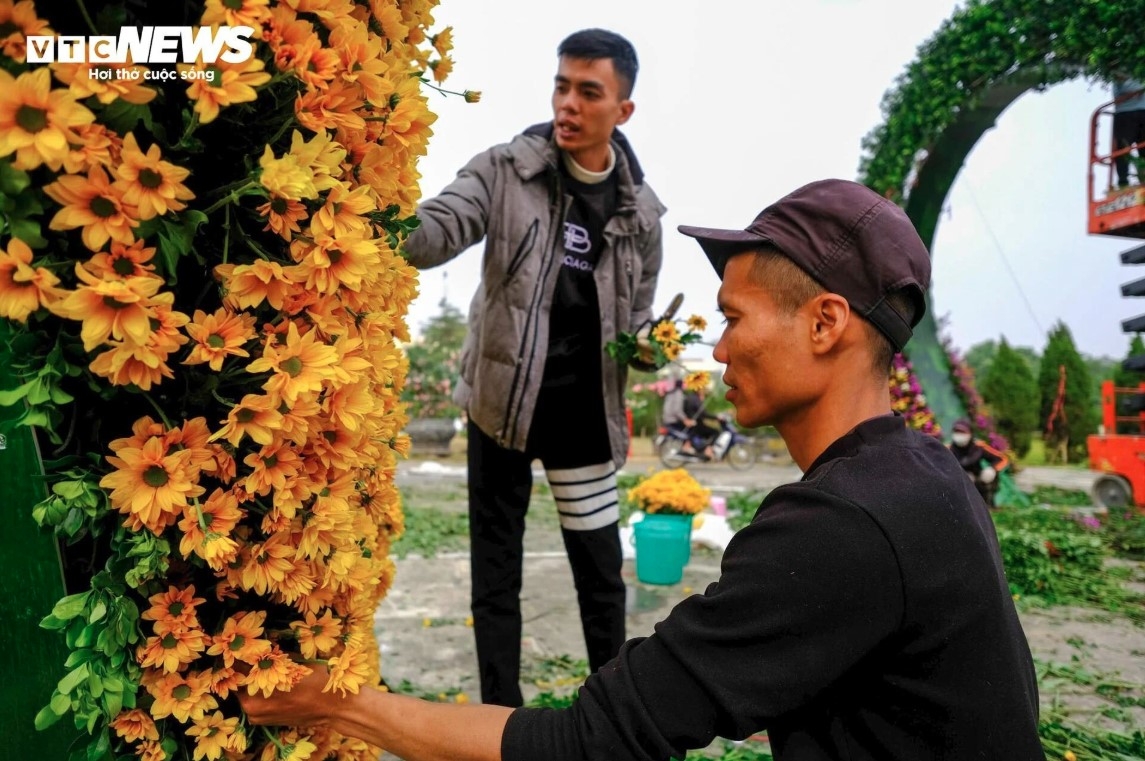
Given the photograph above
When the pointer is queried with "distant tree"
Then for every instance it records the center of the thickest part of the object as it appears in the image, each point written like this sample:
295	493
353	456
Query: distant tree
1011	392
1076	418
980	356
435	364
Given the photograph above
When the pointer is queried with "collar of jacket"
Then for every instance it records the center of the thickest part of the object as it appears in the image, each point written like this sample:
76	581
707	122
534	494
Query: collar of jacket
534	152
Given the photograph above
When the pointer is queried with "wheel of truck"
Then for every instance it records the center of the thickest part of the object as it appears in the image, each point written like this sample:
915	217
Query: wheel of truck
669	452
742	455
1112	492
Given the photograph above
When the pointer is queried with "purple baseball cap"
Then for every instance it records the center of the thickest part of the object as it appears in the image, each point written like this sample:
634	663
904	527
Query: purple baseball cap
850	239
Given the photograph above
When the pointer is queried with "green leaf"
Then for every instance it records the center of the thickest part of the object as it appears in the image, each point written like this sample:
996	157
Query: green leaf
27	230
76	657
98	611
11	396
52	622
60	703
12	181
71	606
112	703
73	679
46	718
86	636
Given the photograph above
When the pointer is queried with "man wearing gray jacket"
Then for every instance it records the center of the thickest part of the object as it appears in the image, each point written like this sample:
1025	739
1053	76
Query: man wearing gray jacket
572	252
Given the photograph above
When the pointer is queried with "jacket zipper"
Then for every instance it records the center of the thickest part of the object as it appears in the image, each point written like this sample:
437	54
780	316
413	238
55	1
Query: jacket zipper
516	392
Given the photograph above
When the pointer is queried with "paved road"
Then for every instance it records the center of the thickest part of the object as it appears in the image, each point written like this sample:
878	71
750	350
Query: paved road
722	478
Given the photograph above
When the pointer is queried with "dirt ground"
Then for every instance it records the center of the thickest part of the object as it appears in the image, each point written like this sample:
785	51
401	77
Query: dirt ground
426	642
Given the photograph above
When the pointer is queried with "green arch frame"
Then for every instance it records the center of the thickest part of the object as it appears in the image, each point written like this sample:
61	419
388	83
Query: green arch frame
982	59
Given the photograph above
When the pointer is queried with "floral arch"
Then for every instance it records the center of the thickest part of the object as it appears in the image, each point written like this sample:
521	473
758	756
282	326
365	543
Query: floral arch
982	59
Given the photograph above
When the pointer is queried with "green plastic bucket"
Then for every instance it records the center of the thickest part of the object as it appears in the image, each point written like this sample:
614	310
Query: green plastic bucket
663	547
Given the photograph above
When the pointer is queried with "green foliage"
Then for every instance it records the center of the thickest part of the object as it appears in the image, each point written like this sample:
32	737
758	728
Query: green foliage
1125	534
1011	392
1053	558
435	365
429	531
100	627
742	507
1077	418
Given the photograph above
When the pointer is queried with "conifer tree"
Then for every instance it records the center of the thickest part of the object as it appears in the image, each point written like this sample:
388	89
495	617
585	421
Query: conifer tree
1011	392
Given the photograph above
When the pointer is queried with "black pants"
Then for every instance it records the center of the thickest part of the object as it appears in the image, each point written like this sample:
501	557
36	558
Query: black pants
577	459
1128	129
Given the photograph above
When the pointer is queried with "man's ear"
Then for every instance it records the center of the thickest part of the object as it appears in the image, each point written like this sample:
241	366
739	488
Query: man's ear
626	109
830	315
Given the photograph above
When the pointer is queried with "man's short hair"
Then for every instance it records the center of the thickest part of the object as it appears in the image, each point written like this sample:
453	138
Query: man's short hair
791	287
597	44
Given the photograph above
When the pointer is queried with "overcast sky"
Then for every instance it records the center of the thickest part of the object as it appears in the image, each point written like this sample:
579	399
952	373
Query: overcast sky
740	101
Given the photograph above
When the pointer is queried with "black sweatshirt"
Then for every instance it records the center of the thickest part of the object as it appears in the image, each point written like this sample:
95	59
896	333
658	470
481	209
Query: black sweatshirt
863	614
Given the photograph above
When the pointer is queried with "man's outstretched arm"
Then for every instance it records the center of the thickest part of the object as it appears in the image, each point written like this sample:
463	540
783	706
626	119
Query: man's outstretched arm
412	729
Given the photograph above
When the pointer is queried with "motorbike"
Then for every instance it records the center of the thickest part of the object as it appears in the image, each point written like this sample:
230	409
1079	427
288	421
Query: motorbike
732	446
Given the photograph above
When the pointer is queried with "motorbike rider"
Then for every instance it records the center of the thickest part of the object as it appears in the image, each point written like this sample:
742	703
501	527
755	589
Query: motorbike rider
685	414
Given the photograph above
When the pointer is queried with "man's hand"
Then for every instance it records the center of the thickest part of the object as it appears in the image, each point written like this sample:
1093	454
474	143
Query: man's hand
988	475
644	350
304	706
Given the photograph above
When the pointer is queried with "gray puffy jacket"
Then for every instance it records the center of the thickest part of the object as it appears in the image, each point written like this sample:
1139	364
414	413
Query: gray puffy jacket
511	196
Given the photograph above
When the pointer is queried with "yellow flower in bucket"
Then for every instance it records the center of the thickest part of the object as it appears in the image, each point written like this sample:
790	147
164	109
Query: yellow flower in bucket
670	491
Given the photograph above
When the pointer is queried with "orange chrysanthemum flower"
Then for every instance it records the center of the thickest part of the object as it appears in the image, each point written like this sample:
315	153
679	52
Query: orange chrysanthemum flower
117	309
150	484
185	696
300	365
215	735
348	671
17	21
273	671
282	216
218	336
317	636
122	262
229	83
172	650
82	81
265	565
128	364
344	212
442	68
151	185
173	610
133	725
37	122
224	679
23	288
94	204
255	416
327	264
207	529
271	468
248	285
241	639
151	750
253	13
93	145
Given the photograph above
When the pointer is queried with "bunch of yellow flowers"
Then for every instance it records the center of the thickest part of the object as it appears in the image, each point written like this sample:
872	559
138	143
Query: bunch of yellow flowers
670	491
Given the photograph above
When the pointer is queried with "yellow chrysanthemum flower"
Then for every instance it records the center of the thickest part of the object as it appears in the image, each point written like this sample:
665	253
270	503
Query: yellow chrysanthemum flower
37	122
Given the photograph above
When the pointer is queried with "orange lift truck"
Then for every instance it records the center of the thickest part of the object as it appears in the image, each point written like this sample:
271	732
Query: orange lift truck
1118	451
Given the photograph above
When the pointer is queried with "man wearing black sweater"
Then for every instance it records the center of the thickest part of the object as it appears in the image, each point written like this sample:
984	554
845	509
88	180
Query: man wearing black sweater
863	614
